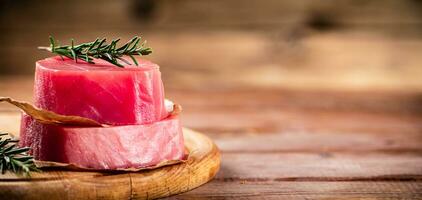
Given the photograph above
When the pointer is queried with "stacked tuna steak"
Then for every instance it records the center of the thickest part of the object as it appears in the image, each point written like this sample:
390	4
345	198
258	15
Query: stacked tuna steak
131	100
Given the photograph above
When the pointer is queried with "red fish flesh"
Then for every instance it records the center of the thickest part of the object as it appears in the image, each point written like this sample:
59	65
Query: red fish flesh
130	146
101	91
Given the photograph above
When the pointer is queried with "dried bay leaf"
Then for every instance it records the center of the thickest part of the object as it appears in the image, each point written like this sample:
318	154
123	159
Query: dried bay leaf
48	117
74	167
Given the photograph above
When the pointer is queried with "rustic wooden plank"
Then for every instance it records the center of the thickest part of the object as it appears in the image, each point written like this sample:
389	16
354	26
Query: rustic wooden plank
281	12
276	167
201	166
263	60
250	13
320	166
289	121
291	139
101	187
215	119
308	142
306	190
49	175
267	121
247	98
276	145
87	13
305	99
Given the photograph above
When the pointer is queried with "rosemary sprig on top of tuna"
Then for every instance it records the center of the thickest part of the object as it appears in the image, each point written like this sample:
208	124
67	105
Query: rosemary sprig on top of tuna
99	48
14	158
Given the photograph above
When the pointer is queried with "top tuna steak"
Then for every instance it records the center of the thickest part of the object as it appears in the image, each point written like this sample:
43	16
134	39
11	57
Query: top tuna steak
102	92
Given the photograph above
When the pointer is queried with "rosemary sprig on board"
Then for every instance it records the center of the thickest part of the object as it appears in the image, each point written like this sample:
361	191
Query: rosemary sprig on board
15	158
102	50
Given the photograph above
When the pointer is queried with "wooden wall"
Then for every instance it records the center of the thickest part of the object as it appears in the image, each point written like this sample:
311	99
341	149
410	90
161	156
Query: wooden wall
322	44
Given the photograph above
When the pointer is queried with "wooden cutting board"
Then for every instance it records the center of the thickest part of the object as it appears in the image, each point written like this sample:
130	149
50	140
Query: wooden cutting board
202	165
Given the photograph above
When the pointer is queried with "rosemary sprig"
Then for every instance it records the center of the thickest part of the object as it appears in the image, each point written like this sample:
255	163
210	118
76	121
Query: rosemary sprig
14	158
100	49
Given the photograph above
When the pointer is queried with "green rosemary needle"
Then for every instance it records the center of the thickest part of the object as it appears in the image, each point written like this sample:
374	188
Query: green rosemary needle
102	50
15	158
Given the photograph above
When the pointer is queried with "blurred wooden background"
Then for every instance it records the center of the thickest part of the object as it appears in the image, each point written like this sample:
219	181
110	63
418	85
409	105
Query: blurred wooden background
319	44
307	99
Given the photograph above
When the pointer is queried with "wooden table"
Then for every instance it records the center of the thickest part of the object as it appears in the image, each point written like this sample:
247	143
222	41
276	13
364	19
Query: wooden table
297	144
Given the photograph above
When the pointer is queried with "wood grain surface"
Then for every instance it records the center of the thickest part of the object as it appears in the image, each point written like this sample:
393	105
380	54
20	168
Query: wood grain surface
202	165
330	44
306	99
294	144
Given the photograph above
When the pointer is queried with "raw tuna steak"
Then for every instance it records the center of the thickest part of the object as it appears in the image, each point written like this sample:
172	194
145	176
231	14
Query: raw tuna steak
131	146
102	91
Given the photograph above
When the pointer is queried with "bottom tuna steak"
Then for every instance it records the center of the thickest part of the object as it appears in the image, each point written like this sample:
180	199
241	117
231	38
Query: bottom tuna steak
132	146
